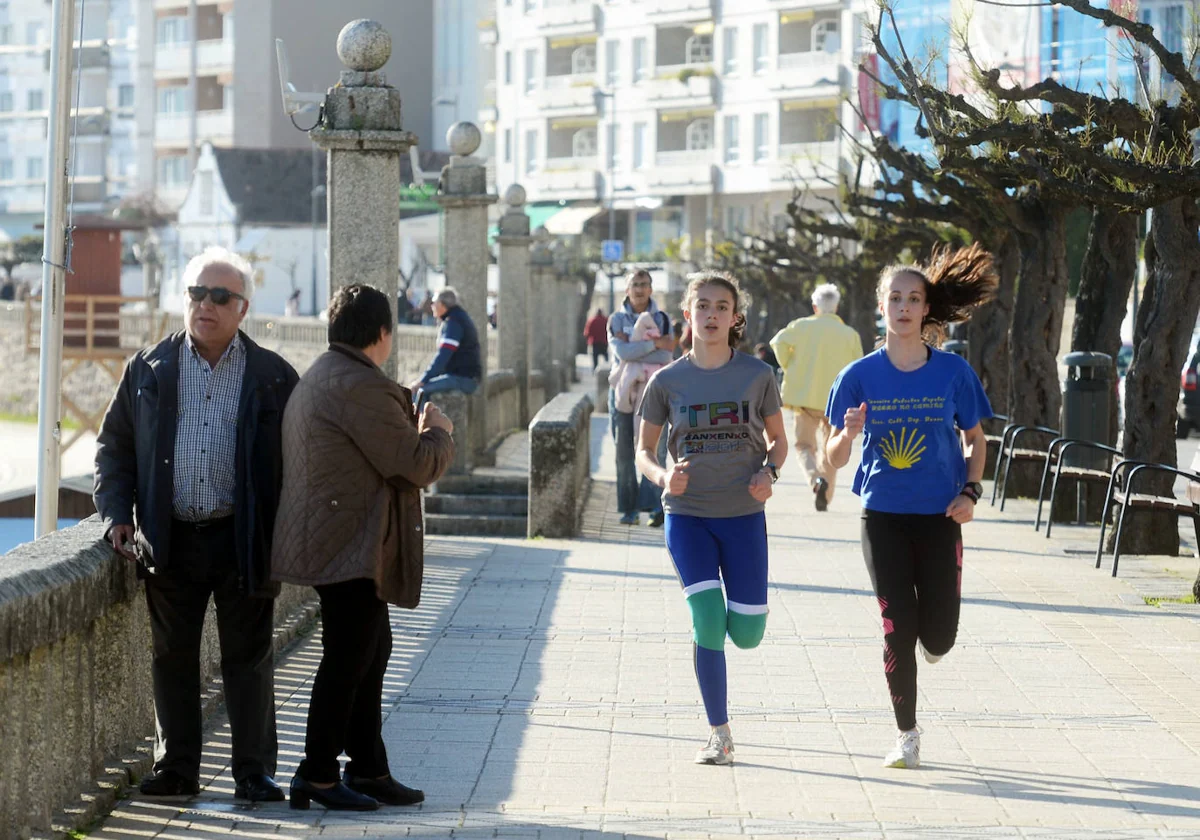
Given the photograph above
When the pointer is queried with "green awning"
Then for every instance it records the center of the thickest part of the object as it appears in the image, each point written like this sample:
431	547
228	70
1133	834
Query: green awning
537	213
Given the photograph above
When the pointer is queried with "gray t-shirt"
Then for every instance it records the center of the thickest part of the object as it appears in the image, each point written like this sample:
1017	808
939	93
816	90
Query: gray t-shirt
716	424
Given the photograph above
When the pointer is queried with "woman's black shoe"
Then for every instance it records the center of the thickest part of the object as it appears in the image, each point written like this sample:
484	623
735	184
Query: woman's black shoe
388	791
336	798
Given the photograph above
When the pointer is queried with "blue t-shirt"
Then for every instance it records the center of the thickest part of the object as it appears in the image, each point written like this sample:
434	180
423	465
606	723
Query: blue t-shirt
912	459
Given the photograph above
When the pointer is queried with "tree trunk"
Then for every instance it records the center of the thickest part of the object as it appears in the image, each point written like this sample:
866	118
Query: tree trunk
987	331
1109	267
1036	331
1160	341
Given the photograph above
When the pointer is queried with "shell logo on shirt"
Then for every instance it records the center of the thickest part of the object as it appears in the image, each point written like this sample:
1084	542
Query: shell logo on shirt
904	452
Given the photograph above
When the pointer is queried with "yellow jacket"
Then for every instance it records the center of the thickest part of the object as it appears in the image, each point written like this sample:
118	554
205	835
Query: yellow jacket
812	351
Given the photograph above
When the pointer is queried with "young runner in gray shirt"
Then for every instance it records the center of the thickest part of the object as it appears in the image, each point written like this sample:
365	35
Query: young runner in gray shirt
726	443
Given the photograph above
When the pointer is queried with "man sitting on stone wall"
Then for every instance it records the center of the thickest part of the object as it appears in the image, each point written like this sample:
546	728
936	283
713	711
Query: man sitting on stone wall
188	469
457	366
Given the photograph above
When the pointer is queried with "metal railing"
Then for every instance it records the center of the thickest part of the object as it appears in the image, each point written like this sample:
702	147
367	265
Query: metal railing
684	157
806	60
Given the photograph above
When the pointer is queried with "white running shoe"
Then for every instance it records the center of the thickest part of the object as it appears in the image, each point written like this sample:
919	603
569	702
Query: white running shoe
907	752
931	658
719	749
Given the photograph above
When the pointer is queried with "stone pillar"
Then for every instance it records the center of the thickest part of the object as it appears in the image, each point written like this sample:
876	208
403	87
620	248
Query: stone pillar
362	135
542	311
568	291
464	199
512	309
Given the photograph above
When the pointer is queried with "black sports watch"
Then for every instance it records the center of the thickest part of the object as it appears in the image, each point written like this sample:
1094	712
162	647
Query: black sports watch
772	471
973	490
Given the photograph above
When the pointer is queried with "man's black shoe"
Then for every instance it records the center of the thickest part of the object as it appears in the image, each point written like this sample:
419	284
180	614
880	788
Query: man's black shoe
821	489
168	783
656	519
388	791
258	787
336	798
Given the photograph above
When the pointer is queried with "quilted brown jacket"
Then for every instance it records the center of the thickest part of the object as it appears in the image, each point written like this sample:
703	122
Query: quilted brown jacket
353	468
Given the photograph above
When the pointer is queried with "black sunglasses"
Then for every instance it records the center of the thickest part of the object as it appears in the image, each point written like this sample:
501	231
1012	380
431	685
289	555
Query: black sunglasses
220	295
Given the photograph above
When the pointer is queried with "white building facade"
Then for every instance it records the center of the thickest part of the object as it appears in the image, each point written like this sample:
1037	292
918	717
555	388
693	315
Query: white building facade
105	163
694	118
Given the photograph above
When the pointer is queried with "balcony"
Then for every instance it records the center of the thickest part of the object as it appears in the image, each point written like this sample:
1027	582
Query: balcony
568	184
567	17
807	69
212	58
680	11
167	5
172	129
805	160
681	86
571	163
681	171
573	94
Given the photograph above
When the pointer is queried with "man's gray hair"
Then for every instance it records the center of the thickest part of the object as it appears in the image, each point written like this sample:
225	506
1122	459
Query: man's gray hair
447	297
215	256
826	297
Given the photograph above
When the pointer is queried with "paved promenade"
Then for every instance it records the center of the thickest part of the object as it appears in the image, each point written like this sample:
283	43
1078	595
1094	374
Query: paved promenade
544	689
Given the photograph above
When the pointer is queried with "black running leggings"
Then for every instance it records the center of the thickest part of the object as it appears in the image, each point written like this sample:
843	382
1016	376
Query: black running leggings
915	563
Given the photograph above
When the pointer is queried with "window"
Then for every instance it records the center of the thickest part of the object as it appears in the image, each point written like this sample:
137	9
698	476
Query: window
35	100
1172	28
614	155
34	169
6	100
760	47
206	193
508	67
610	62
699	135
6	33
33	33
530	70
639	145
698	49
172	100
508	145
172	171
760	137
639	59
732	153
583	60
530	5
6	169
531	156
730	50
735	220
583	143
825	36
125	96
172	30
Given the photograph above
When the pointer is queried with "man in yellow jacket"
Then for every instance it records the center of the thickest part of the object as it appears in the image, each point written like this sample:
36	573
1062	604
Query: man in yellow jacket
812	351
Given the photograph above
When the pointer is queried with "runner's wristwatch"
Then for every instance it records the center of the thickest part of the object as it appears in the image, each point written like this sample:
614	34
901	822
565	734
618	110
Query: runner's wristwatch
973	490
772	471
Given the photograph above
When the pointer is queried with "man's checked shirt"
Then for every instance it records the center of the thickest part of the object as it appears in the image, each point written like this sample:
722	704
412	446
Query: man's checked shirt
206	432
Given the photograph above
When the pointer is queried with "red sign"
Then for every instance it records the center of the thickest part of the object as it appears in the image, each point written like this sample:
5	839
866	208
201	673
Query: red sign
1125	8
868	94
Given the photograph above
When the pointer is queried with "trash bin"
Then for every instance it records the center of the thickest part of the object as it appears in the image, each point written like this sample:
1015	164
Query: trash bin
1087	396
956	346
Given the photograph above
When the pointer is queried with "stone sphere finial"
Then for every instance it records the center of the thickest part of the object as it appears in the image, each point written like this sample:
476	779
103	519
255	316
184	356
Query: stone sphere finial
463	138
542	235
364	45
514	196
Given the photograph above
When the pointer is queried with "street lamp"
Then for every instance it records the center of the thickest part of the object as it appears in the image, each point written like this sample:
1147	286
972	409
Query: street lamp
612	188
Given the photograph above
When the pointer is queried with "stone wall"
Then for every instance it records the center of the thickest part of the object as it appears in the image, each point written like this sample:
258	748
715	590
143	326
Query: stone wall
75	691
559	465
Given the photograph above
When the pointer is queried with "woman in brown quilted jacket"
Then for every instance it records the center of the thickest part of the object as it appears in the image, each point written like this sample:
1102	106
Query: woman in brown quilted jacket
356	456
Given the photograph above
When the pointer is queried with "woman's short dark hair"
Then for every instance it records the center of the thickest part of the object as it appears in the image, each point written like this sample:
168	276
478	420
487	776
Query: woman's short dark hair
356	315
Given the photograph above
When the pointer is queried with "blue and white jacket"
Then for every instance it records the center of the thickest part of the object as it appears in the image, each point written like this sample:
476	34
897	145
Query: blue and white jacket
622	321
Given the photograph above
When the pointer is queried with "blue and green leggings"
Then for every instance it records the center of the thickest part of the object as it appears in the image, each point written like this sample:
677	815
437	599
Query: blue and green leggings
707	551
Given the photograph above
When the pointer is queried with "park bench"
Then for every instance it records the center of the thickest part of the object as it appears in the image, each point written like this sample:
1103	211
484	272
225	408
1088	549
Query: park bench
1121	492
1010	452
1057	458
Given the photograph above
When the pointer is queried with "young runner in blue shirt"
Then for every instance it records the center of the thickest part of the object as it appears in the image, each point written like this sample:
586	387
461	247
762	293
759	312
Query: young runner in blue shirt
911	401
726	443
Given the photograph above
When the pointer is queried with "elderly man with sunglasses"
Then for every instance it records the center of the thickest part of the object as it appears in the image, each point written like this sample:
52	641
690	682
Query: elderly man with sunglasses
188	471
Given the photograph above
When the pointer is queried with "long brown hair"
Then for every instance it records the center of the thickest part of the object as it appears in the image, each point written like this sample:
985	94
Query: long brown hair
956	281
729	283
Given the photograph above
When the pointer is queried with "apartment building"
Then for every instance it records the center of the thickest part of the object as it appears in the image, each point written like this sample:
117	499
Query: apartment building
105	148
690	117
237	101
